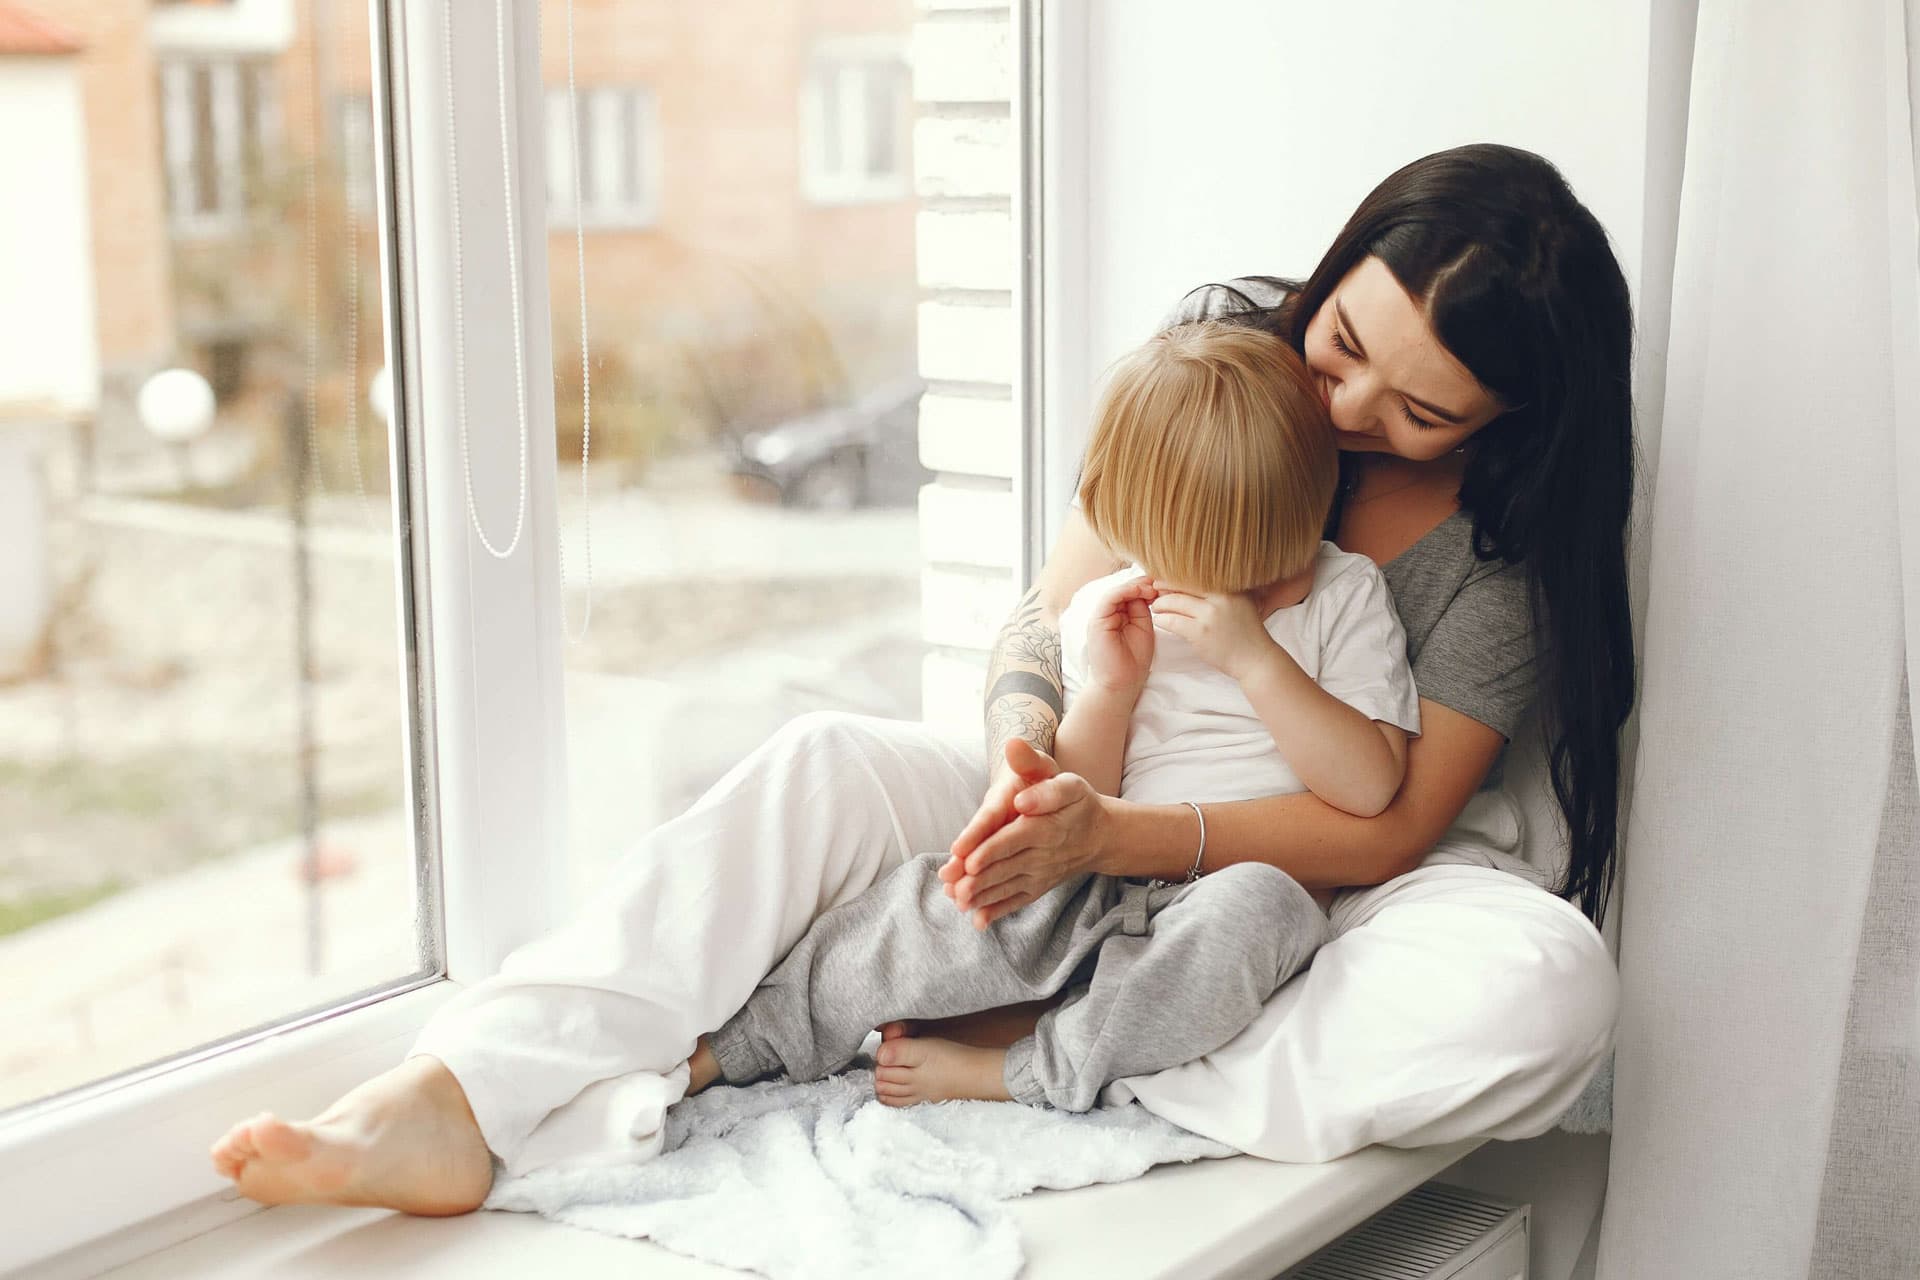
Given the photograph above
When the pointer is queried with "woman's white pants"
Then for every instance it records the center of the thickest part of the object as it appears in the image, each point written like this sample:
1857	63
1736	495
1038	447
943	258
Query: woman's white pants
1454	1001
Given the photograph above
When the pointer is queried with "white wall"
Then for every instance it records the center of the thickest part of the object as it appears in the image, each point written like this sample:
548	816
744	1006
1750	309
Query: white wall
1235	136
49	354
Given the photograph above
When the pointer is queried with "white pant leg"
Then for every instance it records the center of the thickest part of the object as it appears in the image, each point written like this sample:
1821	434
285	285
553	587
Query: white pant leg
683	930
1452	1002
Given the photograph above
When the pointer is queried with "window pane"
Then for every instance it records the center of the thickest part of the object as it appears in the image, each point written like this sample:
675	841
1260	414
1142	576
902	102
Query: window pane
586	155
609	149
630	131
832	123
761	383
559	153
204	145
883	120
202	706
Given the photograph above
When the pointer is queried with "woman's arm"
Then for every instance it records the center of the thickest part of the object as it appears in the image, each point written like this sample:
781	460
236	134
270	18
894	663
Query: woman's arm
1065	828
1025	689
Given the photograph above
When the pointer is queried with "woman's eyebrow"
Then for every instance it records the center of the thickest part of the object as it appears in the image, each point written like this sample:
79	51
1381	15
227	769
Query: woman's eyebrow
1353	339
1360	349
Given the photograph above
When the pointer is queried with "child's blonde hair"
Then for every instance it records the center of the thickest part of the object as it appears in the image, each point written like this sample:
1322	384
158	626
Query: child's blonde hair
1212	461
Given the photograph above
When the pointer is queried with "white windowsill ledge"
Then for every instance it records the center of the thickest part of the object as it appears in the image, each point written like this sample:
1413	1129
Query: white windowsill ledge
1237	1218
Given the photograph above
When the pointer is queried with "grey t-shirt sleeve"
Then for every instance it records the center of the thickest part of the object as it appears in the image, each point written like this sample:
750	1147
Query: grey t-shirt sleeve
1232	297
1479	657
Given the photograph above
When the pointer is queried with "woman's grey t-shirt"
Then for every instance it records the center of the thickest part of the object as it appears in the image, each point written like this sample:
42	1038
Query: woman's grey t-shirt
1469	623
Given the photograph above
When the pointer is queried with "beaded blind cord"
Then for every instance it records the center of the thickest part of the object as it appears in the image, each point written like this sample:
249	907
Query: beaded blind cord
513	277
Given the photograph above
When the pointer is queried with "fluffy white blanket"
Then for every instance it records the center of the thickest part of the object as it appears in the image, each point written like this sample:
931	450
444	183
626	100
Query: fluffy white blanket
820	1180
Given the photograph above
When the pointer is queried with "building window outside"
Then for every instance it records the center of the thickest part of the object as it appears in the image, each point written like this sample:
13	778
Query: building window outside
619	156
855	118
216	119
356	153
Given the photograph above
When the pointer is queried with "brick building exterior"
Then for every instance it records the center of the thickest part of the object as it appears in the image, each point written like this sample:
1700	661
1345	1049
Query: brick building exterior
726	234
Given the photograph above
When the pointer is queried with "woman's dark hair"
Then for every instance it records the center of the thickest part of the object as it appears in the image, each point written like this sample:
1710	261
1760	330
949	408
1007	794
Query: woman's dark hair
1517	280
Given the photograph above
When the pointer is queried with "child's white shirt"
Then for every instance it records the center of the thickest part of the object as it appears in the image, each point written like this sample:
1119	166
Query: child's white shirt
1195	736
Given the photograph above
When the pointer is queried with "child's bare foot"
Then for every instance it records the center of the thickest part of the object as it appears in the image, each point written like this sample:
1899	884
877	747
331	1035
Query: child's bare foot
926	1069
404	1140
702	1068
988	1029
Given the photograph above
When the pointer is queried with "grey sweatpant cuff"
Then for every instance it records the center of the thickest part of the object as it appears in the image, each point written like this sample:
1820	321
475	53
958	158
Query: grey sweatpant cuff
734	1053
1017	1074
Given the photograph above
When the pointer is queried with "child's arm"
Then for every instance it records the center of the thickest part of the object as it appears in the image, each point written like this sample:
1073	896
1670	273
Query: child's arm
1345	758
1092	739
1351	762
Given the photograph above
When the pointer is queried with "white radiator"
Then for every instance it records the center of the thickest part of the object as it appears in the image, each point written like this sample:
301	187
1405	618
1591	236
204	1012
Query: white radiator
1435	1232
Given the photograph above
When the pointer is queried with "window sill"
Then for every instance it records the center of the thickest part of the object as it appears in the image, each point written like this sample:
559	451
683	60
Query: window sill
138	1153
1217	1218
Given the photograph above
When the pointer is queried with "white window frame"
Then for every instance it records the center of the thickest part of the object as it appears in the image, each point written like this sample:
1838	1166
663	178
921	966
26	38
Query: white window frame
848	59
491	779
180	137
600	210
120	1168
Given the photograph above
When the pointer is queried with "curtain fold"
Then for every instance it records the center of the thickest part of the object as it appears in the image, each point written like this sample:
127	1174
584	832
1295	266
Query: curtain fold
1768	1024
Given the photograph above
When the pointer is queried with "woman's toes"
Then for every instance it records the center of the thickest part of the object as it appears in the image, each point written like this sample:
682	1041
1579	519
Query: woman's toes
275	1139
237	1145
896	1030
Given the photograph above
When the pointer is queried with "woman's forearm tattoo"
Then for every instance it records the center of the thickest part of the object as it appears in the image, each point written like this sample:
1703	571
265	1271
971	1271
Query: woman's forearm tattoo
1025	686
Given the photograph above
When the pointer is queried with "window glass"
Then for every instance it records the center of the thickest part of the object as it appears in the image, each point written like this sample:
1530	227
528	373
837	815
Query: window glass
202	701
616	125
856	108
761	378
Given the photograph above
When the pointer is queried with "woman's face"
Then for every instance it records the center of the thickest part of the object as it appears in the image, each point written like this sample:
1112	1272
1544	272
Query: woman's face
1389	384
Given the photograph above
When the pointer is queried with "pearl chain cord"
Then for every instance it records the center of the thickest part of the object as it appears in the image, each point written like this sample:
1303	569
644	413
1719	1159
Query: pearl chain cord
513	269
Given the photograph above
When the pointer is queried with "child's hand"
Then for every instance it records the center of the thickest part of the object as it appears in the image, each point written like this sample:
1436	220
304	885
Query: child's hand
1120	638
1226	630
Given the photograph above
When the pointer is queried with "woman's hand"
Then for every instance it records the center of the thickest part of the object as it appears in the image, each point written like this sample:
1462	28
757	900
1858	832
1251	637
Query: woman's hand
1057	832
1120	638
1225	630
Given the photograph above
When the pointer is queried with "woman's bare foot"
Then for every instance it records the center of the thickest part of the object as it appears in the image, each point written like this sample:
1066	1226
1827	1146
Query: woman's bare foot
404	1140
926	1069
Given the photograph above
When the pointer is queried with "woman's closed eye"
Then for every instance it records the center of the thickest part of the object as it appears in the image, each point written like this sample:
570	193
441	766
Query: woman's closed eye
1340	345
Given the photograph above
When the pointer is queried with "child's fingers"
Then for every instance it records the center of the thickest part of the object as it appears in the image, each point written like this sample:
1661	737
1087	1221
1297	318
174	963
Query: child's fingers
1178	623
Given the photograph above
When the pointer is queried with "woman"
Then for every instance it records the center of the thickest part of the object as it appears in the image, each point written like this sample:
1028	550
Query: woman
1470	331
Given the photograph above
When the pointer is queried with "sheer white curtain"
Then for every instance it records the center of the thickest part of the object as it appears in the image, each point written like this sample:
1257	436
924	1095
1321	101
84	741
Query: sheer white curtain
1767	1082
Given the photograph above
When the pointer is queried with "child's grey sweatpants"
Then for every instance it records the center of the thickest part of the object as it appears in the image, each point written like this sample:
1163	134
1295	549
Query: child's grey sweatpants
1157	975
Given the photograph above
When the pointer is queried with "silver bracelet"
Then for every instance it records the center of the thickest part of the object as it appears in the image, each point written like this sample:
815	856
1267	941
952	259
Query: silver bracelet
1193	872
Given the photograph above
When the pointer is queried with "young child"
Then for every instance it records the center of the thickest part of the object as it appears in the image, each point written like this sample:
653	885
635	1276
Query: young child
1242	656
